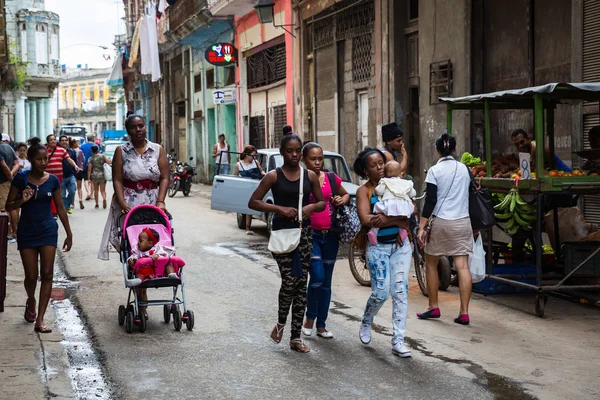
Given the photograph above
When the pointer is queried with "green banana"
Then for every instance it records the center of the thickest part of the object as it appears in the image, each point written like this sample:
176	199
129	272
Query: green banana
520	221
520	201
526	216
504	216
510	224
513	203
505	202
513	230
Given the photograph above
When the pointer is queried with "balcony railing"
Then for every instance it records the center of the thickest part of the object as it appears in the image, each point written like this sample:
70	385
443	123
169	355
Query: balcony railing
78	112
183	11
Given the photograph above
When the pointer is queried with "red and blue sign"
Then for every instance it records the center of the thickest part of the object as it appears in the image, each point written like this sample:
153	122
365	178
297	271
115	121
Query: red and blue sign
221	54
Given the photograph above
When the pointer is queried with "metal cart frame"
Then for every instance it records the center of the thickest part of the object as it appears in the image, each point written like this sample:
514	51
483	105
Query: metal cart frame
542	100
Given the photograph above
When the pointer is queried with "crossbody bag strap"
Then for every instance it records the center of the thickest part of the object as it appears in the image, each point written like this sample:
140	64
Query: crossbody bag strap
301	195
451	183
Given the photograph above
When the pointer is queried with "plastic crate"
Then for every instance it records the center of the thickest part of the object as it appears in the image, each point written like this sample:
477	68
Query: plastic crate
488	286
576	252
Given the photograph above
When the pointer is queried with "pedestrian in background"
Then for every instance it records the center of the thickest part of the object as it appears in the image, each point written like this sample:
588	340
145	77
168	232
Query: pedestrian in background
284	182
9	165
389	259
56	156
68	185
287	130
393	139
222	155
86	148
24	164
96	174
447	200
325	243
248	167
37	237
80	160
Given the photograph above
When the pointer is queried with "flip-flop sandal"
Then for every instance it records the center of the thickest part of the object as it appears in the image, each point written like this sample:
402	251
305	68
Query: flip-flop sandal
28	315
42	329
277	333
299	346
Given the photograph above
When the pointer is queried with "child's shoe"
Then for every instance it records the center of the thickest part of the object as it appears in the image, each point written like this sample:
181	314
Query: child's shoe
372	236
403	235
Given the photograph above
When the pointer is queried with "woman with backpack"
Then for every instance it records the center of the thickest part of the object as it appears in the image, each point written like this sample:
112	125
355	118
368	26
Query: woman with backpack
325	242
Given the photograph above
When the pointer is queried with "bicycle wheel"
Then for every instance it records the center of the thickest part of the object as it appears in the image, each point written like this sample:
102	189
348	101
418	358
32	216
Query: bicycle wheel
358	266
174	188
419	263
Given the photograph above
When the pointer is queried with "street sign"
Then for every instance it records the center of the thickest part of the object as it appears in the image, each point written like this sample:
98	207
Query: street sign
221	54
224	96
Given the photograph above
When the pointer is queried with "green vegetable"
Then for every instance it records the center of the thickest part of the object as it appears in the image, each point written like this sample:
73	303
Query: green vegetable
470	161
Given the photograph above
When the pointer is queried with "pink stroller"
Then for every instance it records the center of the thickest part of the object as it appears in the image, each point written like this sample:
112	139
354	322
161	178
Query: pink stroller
148	216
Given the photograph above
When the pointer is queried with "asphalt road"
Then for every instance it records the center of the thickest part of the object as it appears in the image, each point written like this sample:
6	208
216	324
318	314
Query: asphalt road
232	285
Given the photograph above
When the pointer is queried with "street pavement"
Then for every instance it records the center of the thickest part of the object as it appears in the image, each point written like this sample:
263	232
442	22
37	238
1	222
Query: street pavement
232	284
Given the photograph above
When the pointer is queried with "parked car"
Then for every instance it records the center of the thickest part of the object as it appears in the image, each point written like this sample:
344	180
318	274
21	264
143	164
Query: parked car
108	147
231	193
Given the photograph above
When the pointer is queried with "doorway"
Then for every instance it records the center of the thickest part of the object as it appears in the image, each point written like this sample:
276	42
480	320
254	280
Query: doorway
363	119
181	139
413	143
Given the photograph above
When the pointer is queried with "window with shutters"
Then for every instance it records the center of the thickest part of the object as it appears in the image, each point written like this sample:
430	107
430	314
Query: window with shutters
24	42
266	67
54	44
210	79
41	44
413	55
198	83
279	121
257	131
440	80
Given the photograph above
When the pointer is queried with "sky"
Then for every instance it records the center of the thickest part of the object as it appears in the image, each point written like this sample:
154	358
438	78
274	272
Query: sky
84	23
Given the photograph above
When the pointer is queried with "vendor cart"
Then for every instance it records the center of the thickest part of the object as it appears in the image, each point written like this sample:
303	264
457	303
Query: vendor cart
542	100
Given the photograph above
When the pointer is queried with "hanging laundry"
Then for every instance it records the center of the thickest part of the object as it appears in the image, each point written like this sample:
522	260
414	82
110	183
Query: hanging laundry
149	47
116	75
135	43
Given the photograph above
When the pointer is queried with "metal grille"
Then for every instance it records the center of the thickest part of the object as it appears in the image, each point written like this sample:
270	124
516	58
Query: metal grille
591	208
591	41
257	131
440	80
266	67
361	58
279	121
350	21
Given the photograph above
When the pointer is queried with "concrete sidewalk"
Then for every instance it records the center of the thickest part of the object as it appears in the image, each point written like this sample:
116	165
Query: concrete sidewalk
32	366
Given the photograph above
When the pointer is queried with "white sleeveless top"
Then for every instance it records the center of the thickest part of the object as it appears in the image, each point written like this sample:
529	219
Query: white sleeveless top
222	159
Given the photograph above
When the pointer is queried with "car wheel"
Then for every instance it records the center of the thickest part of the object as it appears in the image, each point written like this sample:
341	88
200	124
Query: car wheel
241	221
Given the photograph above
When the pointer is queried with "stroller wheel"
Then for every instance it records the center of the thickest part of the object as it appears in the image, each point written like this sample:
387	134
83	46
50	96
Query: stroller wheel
121	315
189	320
130	309
142	324
167	313
177	318
129	322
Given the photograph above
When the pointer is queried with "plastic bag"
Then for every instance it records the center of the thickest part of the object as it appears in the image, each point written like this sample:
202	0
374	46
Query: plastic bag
107	172
477	261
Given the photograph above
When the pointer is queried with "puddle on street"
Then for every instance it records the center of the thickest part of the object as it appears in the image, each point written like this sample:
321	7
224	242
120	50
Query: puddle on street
85	370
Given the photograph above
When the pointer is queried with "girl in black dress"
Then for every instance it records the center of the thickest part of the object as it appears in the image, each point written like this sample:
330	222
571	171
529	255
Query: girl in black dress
284	182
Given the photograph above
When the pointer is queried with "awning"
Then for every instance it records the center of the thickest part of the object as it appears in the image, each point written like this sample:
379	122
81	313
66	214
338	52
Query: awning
581	91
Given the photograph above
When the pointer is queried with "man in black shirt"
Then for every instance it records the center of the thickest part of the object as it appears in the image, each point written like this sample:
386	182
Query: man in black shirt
393	142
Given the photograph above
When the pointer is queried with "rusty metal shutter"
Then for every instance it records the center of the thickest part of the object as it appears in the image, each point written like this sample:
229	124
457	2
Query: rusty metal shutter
591	73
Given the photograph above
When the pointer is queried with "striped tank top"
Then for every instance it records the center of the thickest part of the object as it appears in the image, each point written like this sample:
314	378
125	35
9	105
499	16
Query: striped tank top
386	234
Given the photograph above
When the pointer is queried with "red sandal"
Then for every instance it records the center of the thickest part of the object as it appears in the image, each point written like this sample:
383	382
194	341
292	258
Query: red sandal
28	315
42	329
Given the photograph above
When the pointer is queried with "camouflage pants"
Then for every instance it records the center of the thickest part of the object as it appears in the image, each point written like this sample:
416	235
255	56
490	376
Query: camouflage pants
293	288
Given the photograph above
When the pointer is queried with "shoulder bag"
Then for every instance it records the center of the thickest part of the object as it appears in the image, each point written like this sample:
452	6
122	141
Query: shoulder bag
481	209
344	219
432	217
285	241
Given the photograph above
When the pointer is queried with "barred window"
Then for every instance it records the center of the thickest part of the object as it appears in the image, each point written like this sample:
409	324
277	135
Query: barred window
361	58
257	131
279	121
266	67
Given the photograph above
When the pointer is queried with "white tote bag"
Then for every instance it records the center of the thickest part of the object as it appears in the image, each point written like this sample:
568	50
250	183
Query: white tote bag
107	172
285	241
477	261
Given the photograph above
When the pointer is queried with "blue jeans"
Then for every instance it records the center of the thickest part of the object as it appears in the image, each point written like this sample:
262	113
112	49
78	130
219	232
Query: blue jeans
68	189
324	252
389	265
223	169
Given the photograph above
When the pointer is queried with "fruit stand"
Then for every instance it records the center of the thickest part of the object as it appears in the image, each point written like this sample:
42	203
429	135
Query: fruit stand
546	190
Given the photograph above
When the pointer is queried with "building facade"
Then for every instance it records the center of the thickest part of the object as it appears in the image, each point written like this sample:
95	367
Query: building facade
85	99
33	40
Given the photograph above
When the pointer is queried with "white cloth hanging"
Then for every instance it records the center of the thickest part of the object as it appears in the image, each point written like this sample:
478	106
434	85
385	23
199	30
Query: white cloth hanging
149	47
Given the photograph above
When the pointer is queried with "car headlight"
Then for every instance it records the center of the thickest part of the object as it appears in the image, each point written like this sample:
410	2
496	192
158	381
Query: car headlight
180	170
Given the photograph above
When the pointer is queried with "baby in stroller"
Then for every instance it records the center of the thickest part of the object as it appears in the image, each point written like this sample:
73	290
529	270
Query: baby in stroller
148	246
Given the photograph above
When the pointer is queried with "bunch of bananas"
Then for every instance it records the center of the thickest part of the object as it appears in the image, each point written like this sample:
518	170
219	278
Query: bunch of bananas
516	212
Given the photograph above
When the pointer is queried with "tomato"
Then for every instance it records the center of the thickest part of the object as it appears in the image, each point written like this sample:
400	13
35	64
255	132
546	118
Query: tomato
553	173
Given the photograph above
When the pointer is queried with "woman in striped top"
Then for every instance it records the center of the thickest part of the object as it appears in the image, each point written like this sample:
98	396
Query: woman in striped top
389	259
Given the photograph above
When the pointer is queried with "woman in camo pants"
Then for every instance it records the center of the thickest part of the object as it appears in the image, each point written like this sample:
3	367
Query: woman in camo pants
284	182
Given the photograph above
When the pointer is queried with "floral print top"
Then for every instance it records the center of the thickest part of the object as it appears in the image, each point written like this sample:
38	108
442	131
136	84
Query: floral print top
139	168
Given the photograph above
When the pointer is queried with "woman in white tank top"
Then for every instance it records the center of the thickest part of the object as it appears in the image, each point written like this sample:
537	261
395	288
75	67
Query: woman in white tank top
222	160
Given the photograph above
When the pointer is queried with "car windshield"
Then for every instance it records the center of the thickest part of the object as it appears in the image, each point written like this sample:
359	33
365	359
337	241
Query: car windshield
110	148
331	163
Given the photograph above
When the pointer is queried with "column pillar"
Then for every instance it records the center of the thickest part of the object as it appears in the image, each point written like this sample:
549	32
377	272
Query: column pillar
41	121
32	118
27	121
48	115
20	119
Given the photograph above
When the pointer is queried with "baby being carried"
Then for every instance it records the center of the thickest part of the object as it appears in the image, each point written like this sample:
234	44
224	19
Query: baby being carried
148	247
395	198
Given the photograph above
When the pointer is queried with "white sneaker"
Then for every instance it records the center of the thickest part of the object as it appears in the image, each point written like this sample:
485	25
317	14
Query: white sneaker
401	350
172	275
365	333
12	239
306	331
249	233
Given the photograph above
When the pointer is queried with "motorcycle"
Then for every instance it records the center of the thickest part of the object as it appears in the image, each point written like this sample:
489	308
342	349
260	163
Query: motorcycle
181	178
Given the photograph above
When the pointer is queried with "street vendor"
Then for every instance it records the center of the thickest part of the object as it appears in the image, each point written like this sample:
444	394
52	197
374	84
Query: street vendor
594	140
525	144
393	141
